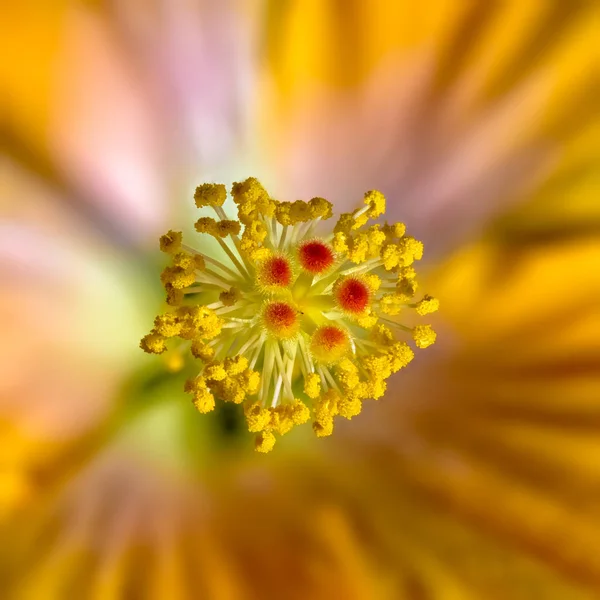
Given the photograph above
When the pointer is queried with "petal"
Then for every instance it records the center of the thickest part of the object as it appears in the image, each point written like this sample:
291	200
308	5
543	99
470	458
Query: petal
500	427
455	121
71	310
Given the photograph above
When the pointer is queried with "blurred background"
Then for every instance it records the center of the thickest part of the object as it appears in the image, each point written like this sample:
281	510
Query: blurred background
478	475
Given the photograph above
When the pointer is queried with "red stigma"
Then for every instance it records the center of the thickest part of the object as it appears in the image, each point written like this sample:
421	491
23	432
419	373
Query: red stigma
329	343
330	337
315	256
280	318
352	295
275	271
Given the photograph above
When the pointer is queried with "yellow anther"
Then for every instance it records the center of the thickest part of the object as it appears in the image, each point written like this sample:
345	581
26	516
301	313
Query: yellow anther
358	248
424	335
167	325
235	365
199	322
323	428
215	372
203	400
339	243
390	255
377	388
202	351
225	228
252	200
206	225
378	366
170	242
283	213
218	229
184	260
376	238
256	231
326	406
153	343
359	220
257	417
259	254
382	335
347	374
320	208
174	296
344	224
199	263
401	355
228	390
299	412
264	442
360	391
178	278
230	297
394	231
312	385
300	212
376	202
373	281
367	320
427	305
410	250
280	422
406	289
390	304
407	273
249	191
210	194
250	380
349	407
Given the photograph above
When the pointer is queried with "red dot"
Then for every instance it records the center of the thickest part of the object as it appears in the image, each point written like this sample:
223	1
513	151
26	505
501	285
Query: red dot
352	295
330	337
280	318
329	343
276	271
315	256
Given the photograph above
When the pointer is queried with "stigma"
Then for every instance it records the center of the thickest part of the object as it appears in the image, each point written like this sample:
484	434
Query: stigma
275	272
315	256
352	295
281	319
291	326
329	344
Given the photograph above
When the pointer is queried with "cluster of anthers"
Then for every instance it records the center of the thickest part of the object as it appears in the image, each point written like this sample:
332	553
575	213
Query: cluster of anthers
291	325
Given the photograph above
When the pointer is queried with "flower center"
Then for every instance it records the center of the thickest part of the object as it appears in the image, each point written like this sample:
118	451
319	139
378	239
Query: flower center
290	325
329	344
352	295
315	256
281	319
274	271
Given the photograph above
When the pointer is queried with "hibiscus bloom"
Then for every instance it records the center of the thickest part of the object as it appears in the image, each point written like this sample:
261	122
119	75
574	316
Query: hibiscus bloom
475	476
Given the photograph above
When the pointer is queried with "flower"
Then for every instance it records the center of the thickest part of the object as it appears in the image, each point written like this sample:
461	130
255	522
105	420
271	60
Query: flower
479	479
286	302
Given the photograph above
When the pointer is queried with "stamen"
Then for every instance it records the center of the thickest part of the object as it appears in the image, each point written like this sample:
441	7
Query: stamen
249	311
